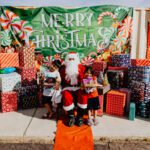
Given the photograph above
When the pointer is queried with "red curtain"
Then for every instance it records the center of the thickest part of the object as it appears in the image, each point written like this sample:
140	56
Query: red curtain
148	42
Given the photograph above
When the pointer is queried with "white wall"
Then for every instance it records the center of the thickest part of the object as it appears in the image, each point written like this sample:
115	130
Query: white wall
139	35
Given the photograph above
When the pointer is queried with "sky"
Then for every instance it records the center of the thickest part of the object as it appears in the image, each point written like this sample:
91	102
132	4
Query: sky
76	3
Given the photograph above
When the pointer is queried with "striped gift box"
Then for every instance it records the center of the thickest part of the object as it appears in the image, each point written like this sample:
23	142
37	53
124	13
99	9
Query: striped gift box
9	60
26	57
140	62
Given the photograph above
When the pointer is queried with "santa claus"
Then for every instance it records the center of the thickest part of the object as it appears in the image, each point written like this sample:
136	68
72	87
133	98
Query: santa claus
72	74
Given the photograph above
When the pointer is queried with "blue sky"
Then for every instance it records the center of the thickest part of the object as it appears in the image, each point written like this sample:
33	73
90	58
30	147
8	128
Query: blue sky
75	3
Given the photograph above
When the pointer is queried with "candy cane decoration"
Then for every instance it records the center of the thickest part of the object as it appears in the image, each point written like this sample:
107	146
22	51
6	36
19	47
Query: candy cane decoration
47	59
10	20
87	61
26	30
100	18
92	53
117	11
5	38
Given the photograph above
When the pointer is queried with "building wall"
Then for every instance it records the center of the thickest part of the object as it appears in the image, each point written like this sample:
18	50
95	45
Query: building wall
141	17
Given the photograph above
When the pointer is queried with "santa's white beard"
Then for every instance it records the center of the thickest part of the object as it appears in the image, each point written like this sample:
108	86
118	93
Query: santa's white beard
72	72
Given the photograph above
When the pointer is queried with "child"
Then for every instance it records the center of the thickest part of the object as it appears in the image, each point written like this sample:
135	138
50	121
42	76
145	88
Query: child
90	85
51	91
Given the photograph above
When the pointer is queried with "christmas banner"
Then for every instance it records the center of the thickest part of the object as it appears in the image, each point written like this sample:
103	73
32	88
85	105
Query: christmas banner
55	30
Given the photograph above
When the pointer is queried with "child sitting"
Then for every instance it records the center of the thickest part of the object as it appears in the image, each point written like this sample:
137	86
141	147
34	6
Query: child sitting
52	90
90	85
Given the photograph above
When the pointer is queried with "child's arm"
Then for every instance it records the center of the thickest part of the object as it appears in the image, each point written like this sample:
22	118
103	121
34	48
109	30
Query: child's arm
58	81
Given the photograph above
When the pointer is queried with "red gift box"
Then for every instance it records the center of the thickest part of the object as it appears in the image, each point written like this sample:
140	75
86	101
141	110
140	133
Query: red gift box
140	62
28	76
99	66
100	111
9	60
115	103
26	57
9	101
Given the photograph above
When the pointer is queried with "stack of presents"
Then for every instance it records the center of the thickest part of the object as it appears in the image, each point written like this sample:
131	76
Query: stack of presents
18	86
128	89
125	91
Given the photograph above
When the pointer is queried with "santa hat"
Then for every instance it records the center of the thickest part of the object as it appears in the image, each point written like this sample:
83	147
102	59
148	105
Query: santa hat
72	55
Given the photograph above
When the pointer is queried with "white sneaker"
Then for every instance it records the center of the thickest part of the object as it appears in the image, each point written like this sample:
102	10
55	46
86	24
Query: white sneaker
90	122
95	121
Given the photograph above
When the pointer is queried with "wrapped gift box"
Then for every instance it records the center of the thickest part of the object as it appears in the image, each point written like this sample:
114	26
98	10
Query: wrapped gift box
115	103
121	60
128	97
137	91
8	101
116	79
139	73
28	90
143	109
28	76
125	72
26	57
99	66
9	60
27	102
10	82
147	92
140	62
27	97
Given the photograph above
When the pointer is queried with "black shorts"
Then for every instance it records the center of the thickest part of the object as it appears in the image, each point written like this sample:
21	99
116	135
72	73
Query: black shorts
46	100
93	103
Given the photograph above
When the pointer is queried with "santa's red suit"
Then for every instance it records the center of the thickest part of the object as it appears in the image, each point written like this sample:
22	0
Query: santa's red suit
71	93
68	90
